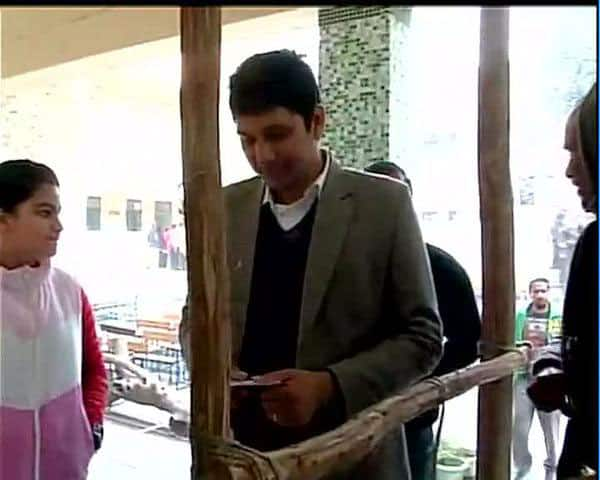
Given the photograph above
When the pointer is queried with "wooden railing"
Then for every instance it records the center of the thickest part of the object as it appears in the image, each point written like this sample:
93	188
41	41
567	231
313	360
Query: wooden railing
350	443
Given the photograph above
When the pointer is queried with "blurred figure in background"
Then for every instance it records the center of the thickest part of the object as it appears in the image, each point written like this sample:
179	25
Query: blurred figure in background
539	324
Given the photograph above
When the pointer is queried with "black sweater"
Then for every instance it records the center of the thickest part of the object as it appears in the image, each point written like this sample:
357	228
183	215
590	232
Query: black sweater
271	332
580	350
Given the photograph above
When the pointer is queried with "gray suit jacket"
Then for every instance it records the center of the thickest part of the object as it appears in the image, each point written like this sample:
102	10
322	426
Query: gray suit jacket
369	312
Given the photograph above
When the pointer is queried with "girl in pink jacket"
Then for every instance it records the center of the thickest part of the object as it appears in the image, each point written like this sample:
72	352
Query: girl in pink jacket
53	385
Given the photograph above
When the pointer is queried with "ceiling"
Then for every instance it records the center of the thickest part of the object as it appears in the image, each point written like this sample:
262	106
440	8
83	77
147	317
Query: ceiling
36	37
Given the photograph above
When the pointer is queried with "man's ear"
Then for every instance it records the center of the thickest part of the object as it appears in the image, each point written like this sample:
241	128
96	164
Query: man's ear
4	218
319	118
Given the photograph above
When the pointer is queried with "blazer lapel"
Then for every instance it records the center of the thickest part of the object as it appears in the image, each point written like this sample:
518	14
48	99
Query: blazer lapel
243	227
329	231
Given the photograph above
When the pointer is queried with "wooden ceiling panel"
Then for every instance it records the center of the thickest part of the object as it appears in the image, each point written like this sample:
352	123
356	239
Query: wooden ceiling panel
39	37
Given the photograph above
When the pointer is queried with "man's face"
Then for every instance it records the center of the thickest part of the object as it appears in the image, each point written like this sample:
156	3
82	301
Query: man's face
539	294
577	171
32	231
279	147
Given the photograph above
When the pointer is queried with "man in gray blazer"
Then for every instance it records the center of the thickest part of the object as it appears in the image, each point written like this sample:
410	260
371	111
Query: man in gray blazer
332	298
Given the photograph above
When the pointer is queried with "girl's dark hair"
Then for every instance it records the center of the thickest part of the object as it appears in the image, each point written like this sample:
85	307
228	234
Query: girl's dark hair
274	79
20	179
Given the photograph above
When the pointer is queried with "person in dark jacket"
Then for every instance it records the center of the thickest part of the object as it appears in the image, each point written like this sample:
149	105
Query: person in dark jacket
575	389
462	329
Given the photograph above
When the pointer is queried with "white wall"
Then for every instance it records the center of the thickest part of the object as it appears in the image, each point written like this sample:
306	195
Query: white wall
109	125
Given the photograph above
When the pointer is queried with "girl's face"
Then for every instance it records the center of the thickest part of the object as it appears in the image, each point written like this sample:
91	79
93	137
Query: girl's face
30	233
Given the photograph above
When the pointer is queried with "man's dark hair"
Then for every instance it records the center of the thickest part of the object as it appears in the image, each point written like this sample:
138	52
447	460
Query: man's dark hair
274	79
390	169
540	280
20	179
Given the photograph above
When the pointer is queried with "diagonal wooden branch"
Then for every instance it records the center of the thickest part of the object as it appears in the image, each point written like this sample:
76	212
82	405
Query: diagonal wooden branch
352	442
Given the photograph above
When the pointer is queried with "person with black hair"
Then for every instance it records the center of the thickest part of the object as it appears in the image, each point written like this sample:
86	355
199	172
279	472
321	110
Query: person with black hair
462	330
383	167
53	384
332	301
575	389
539	324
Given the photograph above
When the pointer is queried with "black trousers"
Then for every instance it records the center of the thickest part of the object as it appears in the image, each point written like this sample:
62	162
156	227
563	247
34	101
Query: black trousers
577	452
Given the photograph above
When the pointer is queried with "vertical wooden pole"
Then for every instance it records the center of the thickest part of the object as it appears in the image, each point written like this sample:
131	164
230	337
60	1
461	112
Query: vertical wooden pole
496	202
204	217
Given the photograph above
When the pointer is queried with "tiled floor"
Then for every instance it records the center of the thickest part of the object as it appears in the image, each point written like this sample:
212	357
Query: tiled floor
460	428
129	452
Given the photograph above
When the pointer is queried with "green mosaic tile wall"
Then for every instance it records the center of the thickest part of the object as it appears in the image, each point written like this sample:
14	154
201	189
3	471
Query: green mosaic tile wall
354	74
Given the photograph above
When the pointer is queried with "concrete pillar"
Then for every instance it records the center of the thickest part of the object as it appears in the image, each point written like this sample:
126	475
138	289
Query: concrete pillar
360	70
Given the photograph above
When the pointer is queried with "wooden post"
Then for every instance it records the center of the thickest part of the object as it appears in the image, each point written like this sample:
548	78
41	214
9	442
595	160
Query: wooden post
495	400
204	216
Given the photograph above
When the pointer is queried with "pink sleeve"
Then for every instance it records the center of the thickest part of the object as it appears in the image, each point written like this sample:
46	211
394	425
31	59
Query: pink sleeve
94	379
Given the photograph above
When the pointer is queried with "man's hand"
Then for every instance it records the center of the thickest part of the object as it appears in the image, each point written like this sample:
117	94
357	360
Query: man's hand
547	392
296	400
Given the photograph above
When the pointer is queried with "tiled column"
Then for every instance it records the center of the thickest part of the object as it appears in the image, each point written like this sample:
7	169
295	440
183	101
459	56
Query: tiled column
360	70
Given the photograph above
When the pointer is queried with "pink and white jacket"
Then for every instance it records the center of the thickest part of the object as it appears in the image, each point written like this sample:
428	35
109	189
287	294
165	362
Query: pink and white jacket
52	378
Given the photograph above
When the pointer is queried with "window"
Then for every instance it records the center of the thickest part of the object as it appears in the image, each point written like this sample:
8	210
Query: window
527	189
429	216
163	215
134	215
93	213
